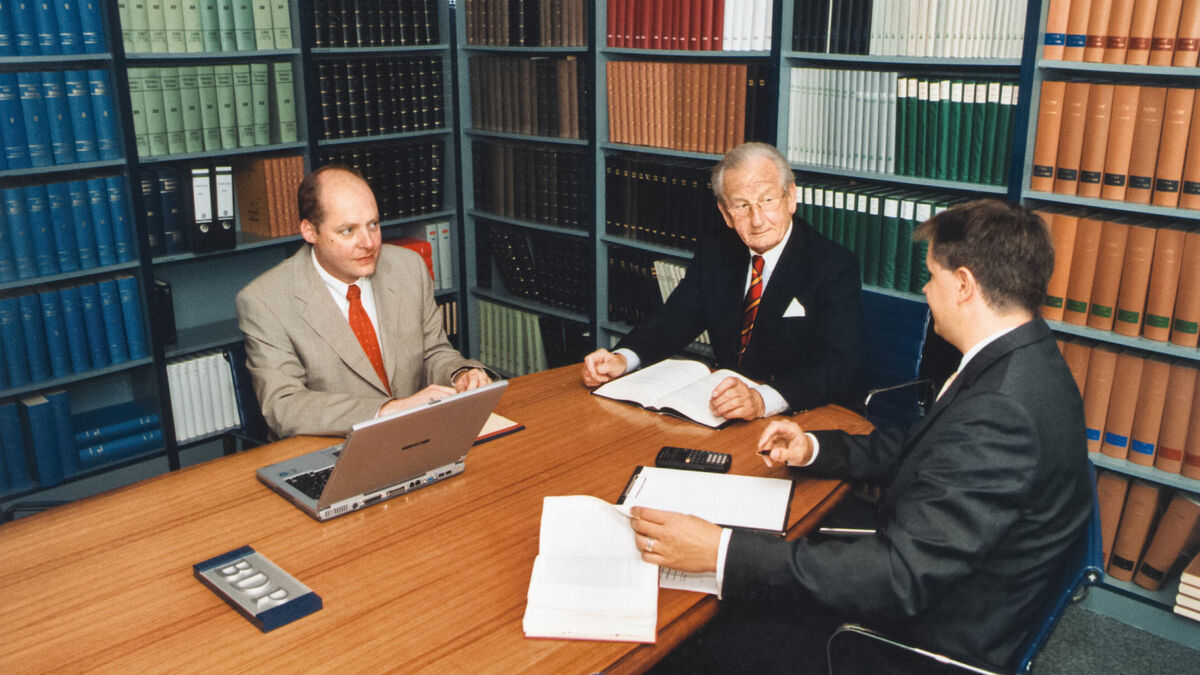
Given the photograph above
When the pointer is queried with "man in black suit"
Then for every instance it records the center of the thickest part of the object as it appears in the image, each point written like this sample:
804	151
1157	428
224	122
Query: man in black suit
984	496
804	341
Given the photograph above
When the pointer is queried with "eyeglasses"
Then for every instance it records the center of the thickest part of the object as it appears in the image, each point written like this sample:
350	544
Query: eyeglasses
742	209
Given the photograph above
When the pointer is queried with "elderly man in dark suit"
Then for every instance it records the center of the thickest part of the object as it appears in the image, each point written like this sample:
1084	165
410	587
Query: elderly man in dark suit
984	496
780	302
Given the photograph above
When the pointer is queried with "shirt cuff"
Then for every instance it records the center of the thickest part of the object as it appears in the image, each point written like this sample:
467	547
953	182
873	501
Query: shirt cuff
773	402
722	548
816	448
632	362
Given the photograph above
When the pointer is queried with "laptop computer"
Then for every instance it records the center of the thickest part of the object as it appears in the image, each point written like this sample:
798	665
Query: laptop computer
385	457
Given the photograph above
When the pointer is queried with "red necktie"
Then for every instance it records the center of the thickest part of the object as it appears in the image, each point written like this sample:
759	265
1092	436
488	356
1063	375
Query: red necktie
360	323
750	309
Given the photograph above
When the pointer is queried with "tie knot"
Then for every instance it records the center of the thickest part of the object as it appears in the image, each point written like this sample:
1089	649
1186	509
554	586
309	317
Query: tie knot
353	292
757	262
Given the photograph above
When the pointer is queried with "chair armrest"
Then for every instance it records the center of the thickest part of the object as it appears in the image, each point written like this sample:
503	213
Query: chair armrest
852	629
926	382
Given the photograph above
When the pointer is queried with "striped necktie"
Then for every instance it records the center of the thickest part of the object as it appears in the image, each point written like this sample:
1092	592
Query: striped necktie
750	308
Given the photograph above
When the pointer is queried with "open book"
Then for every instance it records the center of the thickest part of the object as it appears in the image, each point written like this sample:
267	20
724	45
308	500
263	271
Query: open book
674	386
589	581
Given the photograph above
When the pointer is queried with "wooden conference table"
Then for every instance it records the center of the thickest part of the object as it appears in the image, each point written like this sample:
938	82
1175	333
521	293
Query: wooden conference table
431	581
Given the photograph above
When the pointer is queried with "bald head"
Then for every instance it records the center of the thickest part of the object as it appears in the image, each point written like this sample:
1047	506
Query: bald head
310	195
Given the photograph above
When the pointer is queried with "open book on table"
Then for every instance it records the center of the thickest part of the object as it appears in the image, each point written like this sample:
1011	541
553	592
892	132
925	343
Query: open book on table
674	386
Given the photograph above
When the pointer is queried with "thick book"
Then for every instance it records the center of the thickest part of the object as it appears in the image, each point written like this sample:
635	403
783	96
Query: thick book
1172	146
1141	507
55	332
1122	403
1045	144
673	386
589	581
1190	466
103	114
1116	41
1111	489
60	409
1143	155
1083	270
1162	37
41	439
1070	137
131	314
1107	278
12	446
1187	40
1076	29
1141	32
1174	538
1097	30
1063	228
1189	190
1077	353
1148	413
1186	318
114	322
1135	279
1056	29
1120	141
77	339
1172	434
120	448
93	322
1095	138
34	329
1164	282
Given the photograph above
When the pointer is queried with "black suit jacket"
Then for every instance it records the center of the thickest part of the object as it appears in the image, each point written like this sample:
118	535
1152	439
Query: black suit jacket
810	360
987	494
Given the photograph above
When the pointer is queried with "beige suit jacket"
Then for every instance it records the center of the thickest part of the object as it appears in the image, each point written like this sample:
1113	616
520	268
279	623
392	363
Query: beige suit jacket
310	374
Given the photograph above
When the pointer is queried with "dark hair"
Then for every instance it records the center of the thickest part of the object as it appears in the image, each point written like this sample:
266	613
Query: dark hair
308	195
745	153
1006	247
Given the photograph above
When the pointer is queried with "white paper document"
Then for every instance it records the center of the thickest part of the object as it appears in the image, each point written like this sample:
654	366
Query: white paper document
676	386
751	502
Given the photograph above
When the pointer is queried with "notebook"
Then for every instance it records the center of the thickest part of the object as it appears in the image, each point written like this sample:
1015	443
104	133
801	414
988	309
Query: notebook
385	457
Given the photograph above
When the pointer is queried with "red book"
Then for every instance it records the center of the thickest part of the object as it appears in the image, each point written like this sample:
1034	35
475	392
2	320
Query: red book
421	246
718	36
706	25
694	24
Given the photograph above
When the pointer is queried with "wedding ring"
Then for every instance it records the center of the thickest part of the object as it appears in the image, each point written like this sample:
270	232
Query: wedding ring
650	547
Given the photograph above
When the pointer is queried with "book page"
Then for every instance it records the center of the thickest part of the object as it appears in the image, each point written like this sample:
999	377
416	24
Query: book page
693	399
751	502
647	385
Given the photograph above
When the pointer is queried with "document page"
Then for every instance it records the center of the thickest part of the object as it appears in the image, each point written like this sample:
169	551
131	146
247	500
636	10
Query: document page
693	400
647	385
751	502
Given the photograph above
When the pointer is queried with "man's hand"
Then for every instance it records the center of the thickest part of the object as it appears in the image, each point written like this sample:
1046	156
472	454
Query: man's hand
470	379
675	540
602	366
733	399
431	393
784	441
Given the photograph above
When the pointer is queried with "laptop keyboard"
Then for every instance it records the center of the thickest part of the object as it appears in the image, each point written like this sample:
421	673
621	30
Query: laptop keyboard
311	484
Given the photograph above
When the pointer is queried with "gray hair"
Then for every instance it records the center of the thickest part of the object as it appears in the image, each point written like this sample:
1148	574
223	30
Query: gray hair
745	153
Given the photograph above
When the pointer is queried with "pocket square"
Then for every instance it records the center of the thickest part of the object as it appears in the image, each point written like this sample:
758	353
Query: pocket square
794	309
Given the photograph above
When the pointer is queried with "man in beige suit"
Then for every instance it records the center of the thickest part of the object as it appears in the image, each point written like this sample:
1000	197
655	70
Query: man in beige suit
311	370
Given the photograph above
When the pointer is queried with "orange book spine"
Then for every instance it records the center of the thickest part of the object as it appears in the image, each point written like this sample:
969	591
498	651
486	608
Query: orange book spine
1141	506
1141	32
1120	141
1190	465
1172	146
1056	29
1164	283
1102	367
615	134
735	78
1172	436
1147	416
1077	29
1186	321
1143	156
1045	144
1189	192
1097	30
1070	137
1187	41
1174	536
1111	490
1107	280
1135	280
1062	233
1116	43
1077	353
738	105
1166	27
1095	138
1122	403
1083	270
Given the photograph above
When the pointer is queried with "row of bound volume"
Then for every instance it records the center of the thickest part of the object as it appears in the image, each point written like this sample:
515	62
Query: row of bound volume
533	183
659	200
1146	32
52	28
527	23
540	95
204	398
368	97
539	266
692	25
406	176
197	26
363	23
1148	532
56	117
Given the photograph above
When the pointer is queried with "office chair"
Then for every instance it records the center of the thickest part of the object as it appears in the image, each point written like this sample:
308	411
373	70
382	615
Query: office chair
253	432
896	331
1084	569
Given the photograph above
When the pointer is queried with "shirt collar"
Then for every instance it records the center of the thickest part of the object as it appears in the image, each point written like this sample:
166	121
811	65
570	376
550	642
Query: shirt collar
981	344
335	285
771	256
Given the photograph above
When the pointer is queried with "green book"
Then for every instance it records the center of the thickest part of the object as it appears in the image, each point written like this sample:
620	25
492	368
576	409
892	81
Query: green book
921	140
901	124
156	21
243	101
872	229
950	123
862	226
260	92
912	104
225	26
156	118
193	26
243	25
137	103
281	20
806	202
172	109
126	26
139	26
932	115
1004	127
818	212
990	138
906	225
965	130
210	25
264	31
978	139
917	272
831	221
210	118
283	103
889	235
841	220
226	106
193	120
173	20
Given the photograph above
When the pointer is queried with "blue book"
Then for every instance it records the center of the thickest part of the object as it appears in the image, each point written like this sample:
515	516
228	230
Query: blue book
81	214
171	210
46	25
58	114
8	262
70	27
12	124
13	336
12	444
112	422
93	322
37	212
79	102
41	437
106	252
100	93
3	367
65	246
77	337
34	328
120	448
64	431
131	310
114	322
37	125
8	47
91	23
56	333
19	235
24	30
119	212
